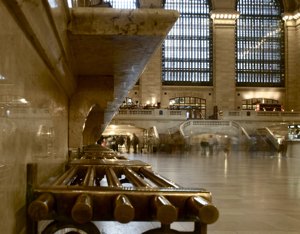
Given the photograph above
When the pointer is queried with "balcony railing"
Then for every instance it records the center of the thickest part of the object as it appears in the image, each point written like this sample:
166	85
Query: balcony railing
152	113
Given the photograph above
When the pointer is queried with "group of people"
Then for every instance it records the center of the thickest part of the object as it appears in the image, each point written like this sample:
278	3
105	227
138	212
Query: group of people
211	145
117	141
134	142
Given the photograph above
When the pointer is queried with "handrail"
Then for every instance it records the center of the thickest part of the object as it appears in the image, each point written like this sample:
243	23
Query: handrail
217	123
234	116
244	131
270	135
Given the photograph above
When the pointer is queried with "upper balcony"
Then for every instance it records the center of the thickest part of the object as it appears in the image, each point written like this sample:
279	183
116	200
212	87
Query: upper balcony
167	120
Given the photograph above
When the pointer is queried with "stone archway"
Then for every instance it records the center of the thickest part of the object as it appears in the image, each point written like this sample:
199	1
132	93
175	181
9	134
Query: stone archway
88	106
92	126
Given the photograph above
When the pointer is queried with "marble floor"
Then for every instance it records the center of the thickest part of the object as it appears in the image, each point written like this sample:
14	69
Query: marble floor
255	192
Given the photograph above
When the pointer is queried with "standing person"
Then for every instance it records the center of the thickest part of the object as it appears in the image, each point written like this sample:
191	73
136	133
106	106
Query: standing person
120	141
204	146
114	144
135	142
128	142
211	144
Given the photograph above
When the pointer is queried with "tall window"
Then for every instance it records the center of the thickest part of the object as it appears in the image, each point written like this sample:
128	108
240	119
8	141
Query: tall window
123	4
259	44
187	50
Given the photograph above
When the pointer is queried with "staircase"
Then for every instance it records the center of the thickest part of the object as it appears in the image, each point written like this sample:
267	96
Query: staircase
261	141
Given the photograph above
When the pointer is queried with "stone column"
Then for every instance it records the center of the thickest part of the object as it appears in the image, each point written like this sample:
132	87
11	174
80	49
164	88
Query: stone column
224	23
150	85
292	53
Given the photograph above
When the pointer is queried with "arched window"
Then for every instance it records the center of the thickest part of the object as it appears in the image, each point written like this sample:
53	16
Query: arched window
259	44
187	50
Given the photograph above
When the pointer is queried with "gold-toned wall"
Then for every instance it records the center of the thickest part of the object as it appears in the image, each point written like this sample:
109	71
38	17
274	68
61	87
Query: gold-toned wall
36	85
33	110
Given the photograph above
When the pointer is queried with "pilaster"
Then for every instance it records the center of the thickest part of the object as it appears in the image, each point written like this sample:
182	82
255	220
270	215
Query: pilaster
292	32
150	85
224	22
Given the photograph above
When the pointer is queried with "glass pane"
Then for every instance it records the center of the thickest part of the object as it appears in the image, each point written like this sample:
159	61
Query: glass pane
187	50
123	4
259	44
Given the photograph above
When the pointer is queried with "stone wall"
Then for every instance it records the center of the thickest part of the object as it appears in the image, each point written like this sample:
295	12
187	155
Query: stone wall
33	101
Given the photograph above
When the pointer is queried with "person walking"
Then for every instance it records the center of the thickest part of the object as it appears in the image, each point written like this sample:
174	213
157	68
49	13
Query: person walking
135	142
128	142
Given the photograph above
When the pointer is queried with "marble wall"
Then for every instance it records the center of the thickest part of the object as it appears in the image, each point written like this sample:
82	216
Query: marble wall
42	95
36	84
33	112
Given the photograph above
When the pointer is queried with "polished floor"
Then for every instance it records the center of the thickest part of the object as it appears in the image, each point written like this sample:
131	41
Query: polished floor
255	192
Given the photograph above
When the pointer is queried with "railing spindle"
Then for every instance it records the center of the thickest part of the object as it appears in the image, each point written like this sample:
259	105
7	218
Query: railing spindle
157	179
65	178
134	178
82	211
112	179
123	211
41	207
205	210
166	213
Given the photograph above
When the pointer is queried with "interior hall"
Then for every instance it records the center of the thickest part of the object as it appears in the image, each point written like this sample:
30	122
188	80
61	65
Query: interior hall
204	92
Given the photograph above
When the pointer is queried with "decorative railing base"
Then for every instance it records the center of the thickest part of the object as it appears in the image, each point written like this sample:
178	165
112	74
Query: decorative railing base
101	186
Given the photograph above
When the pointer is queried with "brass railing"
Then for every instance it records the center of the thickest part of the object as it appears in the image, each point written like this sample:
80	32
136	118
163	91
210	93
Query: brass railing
117	189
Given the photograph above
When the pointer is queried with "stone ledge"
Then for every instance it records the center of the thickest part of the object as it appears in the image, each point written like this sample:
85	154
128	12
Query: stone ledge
108	21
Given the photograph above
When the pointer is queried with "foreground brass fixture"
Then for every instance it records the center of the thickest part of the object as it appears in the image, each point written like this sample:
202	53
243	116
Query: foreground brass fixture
100	185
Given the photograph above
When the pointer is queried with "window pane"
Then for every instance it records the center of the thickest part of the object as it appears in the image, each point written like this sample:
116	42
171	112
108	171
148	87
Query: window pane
123	4
259	44
187	50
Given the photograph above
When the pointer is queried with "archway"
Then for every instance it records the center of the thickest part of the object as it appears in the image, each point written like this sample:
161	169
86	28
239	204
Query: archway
92	126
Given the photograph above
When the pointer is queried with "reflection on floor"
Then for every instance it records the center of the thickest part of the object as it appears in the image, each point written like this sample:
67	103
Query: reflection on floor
255	192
